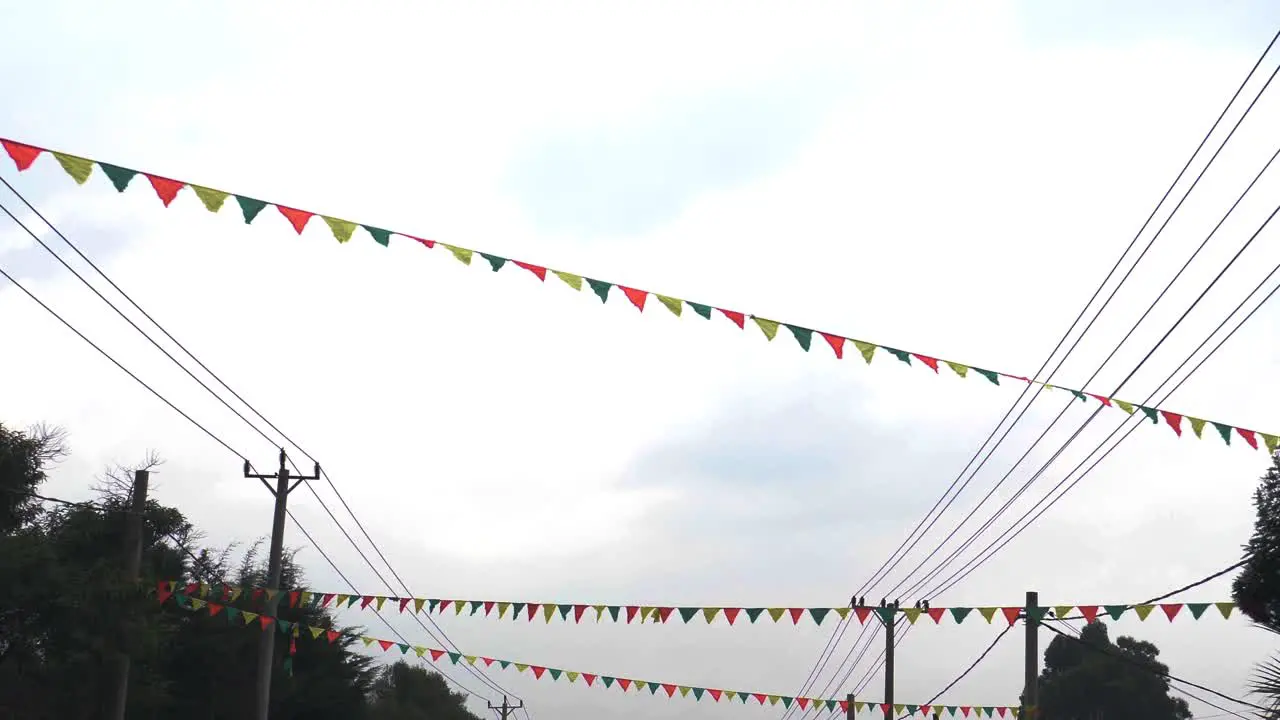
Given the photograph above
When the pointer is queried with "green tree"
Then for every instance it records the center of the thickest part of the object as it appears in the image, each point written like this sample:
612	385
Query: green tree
1095	679
1256	590
405	692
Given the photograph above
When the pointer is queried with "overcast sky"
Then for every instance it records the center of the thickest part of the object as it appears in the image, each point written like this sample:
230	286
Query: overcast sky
948	178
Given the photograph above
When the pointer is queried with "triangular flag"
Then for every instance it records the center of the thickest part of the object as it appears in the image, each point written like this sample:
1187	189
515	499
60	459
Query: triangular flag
1115	611
960	613
165	188
119	177
1011	614
637	297
77	167
250	207
1143	610
462	255
988	613
672	304
342	229
1171	610
768	327
494	261
23	155
380	236
703	310
1090	612
1225	608
1224	431
569	279
867	349
804	336
297	218
1197	609
957	368
537	270
736	317
837	344
600	288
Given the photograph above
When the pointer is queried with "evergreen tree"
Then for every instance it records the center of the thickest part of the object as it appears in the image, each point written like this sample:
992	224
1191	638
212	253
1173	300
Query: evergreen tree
1256	590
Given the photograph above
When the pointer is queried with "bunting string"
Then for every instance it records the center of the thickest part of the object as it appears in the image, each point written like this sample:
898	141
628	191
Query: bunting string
81	169
640	614
265	623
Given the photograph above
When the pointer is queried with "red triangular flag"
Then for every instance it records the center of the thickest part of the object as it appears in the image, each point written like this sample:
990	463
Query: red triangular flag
538	270
665	612
328	598
533	610
885	708
332	635
364	601
1090	612
631	613
163	592
266	621
214	609
760	697
862	613
404	603
1249	437
1101	398
23	155
297	218
671	689
386	644
924	710
1001	710
293	598
1011	614
637	297
731	614
487	661
624	683
804	703
965	709
936	614
714	693
1174	420
931	362
836	342
844	706
577	612
444	605
424	241
1170	609
193	588
795	615
589	678
738	318
488	607
165	188
436	654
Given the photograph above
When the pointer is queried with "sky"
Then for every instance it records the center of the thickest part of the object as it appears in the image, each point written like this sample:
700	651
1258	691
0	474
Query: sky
948	178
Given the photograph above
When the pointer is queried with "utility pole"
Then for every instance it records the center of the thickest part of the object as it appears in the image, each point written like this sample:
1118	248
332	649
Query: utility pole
888	664
505	710
267	641
1031	681
132	567
848	711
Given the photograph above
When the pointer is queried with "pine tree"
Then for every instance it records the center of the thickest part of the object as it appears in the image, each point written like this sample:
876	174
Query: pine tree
1256	590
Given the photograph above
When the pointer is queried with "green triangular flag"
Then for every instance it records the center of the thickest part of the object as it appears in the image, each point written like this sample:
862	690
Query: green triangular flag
516	608
342	229
380	236
600	288
687	613
210	198
555	673
504	664
1079	395
250	207
886	614
697	693
653	688
960	613
1224	431
804	336
913	709
495	262
77	167
786	701
1037	613
455	657
1115	611
1150	413
768	327
902	355
675	305
753	613
608	681
818	614
564	611
118	176
703	310
1197	609
613	612
991	375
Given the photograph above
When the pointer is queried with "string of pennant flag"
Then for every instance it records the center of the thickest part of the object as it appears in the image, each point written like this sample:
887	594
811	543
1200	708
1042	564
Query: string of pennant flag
575	612
266	623
167	189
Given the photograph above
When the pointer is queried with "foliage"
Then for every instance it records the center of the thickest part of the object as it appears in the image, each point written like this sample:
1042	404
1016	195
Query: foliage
1256	590
66	612
1095	678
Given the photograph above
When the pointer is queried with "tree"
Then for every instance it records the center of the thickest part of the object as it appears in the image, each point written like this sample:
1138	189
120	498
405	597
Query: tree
1094	679
1256	590
404	692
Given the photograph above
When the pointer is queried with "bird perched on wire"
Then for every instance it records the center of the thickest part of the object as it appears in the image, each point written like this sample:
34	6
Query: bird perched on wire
882	603
925	605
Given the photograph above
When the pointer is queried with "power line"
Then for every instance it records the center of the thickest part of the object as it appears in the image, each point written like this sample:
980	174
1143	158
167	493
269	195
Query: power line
839	631
442	638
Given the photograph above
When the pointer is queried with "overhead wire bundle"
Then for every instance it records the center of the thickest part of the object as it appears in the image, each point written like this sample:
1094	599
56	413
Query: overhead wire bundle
948	497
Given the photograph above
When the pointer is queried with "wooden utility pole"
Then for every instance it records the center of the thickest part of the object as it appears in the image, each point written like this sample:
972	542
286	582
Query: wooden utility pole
506	709
267	641
888	664
1031	679
848	713
132	567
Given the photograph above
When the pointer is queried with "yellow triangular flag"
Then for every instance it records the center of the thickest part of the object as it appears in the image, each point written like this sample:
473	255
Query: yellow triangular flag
212	199
640	684
235	593
248	616
1197	426
502	608
731	694
599	611
843	612
684	691
1062	611
458	605
675	305
462	254
271	596
548	611
315	632
571	674
1143	610
961	370
1272	441
1225	608
341	600
304	598
645	612
204	590
521	667
988	613
912	614
367	640
773	699
417	604
380	601
197	603
77	167
768	327
342	229
776	613
866	348
858	705
709	614
419	650
1127	407
471	659
573	281
897	709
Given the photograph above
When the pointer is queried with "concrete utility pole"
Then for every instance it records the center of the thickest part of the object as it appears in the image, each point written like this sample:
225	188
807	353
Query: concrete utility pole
267	642
505	710
888	664
1031	679
132	567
